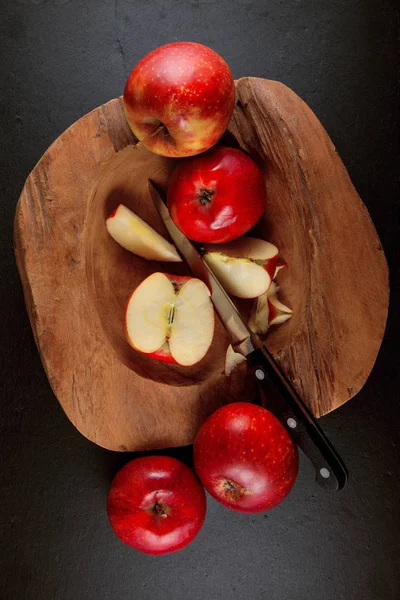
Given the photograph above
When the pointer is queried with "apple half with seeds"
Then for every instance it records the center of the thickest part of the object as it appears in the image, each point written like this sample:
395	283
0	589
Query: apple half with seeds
135	235
245	267
170	318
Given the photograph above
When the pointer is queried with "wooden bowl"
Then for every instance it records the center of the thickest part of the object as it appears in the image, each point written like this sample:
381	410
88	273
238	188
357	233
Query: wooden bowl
76	279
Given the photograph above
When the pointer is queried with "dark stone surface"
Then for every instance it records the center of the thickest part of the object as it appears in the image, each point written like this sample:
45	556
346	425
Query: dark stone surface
61	58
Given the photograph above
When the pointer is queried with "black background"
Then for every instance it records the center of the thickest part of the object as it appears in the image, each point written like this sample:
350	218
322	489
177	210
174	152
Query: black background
60	59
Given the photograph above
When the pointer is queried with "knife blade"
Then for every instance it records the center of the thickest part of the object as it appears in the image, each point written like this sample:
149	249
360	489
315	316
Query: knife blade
283	399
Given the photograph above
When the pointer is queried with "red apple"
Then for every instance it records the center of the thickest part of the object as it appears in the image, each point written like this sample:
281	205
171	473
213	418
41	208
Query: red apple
156	504
170	318
216	197
183	91
245	458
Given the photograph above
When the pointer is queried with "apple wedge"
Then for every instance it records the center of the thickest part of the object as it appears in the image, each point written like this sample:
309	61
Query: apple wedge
170	318
279	267
245	267
135	235
268	310
232	360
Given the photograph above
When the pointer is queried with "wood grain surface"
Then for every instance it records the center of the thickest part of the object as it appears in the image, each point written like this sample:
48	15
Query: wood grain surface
76	279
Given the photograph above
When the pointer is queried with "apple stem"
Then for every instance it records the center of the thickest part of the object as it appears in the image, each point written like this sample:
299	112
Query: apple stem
160	510
159	128
205	196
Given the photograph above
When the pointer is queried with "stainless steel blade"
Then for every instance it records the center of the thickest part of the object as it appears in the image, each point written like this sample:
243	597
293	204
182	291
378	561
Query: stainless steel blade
236	328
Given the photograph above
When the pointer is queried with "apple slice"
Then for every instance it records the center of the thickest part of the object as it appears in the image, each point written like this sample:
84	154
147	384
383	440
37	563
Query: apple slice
135	235
232	360
268	310
278	312
245	267
279	267
170	318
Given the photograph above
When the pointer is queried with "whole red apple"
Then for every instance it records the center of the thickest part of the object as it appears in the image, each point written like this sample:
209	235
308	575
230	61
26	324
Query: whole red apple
216	197
245	458
184	91
156	504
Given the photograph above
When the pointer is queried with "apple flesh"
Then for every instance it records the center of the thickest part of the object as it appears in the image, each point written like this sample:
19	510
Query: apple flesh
170	318
278	268
179	99
268	310
156	505
232	360
245	267
135	235
216	197
245	458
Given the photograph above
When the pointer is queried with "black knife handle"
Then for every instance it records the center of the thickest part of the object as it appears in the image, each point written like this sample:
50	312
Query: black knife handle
286	404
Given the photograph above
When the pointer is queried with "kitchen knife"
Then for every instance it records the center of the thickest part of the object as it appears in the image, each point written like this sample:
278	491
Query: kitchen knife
283	400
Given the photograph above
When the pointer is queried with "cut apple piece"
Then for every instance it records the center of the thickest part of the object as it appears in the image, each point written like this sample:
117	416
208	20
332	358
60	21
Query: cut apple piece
170	318
245	267
232	360
239	276
135	235
193	326
268	310
148	312
279	267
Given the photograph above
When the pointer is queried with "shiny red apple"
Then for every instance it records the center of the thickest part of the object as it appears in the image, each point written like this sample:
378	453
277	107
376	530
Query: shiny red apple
182	92
216	197
245	458
156	505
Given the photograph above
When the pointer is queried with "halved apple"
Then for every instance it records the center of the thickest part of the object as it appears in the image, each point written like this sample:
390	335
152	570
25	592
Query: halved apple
268	310
245	267
135	235
170	318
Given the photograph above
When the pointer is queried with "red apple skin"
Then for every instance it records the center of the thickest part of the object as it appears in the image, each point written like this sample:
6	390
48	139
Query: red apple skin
245	458
270	266
185	86
162	354
156	505
216	197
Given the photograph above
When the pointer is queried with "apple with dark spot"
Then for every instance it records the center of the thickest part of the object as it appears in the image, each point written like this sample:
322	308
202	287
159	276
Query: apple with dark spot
216	197
179	99
245	458
156	505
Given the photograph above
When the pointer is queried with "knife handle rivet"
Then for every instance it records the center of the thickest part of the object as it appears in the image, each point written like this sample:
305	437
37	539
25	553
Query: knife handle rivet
260	374
292	423
324	473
